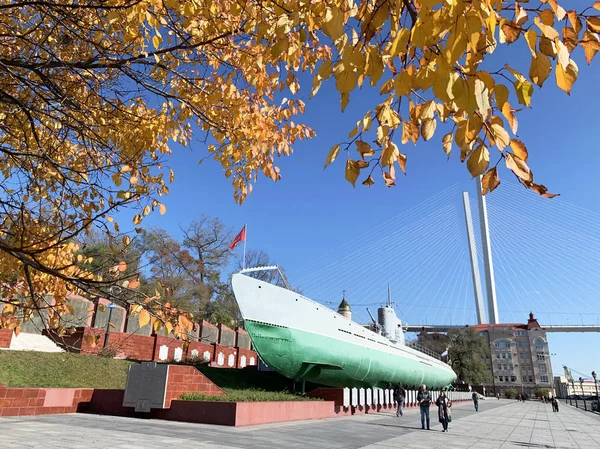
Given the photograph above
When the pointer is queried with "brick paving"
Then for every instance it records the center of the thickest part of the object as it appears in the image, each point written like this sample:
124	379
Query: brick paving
499	424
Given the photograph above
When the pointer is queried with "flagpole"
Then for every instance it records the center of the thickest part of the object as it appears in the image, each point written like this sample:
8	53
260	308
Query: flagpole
245	238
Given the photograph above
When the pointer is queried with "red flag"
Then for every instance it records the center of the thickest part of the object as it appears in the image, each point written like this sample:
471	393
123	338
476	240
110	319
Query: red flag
241	237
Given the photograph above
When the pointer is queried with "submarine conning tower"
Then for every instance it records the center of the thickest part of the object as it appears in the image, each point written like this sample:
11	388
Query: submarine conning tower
391	325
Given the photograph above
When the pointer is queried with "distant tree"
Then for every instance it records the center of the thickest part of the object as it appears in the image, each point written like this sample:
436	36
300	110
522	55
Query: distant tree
541	392
467	354
436	342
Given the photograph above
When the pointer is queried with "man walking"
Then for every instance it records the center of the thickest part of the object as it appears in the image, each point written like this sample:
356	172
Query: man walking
399	395
424	401
475	401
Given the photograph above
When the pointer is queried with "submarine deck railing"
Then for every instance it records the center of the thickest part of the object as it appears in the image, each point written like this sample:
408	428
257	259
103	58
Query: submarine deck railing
423	349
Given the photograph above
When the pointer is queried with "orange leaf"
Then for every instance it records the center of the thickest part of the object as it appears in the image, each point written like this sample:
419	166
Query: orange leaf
143	318
122	266
519	167
490	181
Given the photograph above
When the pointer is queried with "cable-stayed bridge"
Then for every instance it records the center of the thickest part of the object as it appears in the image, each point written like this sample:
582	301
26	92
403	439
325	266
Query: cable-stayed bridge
546	257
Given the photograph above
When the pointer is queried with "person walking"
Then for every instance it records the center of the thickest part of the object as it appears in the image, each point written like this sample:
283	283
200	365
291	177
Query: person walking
424	401
399	395
444	413
475	401
555	405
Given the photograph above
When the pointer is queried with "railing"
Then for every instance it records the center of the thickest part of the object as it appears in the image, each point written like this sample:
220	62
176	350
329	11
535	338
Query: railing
589	405
423	349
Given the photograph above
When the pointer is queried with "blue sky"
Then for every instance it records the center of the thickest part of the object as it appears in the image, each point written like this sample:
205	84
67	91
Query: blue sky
312	212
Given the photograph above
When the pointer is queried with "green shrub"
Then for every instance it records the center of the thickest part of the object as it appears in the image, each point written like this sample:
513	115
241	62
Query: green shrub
247	396
541	392
510	393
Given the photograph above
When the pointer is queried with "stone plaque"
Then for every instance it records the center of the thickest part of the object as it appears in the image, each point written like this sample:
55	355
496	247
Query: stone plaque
361	396
346	397
243	361
354	397
178	355
369	398
163	352
230	360
220	359
252	363
206	355
381	396
195	354
146	386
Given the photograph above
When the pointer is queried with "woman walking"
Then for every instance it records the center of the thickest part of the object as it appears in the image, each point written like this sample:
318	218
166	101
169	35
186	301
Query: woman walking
444	413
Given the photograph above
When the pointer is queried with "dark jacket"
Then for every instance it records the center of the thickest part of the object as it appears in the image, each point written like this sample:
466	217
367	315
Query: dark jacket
475	397
424	396
444	405
399	393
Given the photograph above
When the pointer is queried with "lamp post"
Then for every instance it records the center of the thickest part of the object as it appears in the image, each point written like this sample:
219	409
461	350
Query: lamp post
582	393
595	383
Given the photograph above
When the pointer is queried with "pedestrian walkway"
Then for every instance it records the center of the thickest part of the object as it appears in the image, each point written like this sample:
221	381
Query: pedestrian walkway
499	424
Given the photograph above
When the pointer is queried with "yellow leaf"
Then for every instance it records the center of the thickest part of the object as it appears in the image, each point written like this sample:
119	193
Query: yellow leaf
593	24
447	143
531	38
563	53
402	162
334	23
479	160
546	30
510	116
388	179
156	42
519	149
575	21
368	182
332	154
143	318
171	175
345	80
547	47
541	190
569	38
482	98
546	16
511	32
566	78
162	209
501	136
352	172
364	149
134	283
390	154
146	211
591	45
403	83
596	5
472	128
519	167
490	181
524	91
122	266
428	128
410	131
133	180
399	42
326	69
540	68
126	240
558	10
344	99
501	94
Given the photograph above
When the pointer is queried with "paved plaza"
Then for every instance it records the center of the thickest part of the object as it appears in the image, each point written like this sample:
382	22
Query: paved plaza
499	424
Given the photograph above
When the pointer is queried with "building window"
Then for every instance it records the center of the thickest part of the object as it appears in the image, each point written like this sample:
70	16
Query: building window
499	367
503	355
483	333
497	356
501	378
545	379
513	378
502	344
541	357
524	379
521	355
531	379
520	334
542	367
509	356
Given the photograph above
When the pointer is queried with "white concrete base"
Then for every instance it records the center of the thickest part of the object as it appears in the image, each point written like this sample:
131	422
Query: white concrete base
33	342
